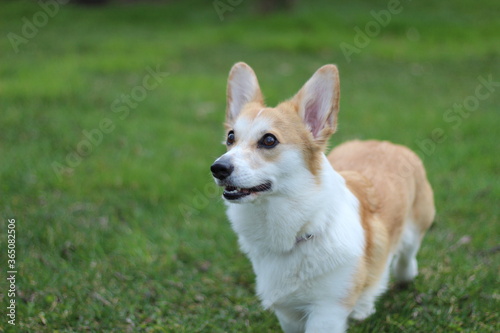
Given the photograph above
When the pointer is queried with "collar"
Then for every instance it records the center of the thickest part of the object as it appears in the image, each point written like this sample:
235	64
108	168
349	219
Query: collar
303	238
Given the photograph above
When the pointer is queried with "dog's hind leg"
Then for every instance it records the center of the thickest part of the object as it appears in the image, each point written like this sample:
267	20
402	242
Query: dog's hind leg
365	305
405	266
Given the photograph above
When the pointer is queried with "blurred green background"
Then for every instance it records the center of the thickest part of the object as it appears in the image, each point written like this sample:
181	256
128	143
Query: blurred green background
110	116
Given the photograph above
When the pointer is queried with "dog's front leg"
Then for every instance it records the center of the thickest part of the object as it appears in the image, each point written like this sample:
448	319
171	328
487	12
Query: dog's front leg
290	321
327	318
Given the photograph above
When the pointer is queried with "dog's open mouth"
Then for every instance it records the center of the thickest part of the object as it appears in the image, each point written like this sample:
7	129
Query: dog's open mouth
234	193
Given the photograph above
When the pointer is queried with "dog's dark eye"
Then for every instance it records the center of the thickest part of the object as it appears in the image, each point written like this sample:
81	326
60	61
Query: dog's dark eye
230	138
268	141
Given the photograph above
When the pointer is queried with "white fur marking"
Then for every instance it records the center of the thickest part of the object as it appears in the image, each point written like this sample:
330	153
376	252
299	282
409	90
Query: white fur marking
258	114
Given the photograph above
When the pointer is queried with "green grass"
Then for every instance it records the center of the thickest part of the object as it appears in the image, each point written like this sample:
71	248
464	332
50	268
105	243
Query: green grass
135	238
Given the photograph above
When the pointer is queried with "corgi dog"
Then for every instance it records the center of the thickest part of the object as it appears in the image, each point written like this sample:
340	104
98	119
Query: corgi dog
322	232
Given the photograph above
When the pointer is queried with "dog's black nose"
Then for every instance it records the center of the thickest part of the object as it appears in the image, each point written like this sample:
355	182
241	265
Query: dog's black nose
221	169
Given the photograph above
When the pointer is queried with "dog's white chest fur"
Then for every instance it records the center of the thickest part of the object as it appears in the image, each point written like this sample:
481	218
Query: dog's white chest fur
269	229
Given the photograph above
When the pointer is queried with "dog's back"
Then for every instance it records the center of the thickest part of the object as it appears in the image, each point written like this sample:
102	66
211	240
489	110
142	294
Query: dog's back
391	181
398	177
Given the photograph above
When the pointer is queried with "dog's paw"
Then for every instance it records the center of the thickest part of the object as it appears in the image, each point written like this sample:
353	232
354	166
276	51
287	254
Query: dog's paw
404	273
362	314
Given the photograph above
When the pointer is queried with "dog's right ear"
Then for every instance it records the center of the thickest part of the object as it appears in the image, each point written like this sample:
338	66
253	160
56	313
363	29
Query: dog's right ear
318	102
242	88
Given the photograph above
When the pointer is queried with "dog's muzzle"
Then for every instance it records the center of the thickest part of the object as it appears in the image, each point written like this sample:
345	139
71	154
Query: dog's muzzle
222	168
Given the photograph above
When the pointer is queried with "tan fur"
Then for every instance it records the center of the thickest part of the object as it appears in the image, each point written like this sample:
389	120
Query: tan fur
288	129
390	183
311	149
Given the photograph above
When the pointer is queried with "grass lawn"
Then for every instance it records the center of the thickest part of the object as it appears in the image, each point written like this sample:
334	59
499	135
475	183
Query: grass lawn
110	118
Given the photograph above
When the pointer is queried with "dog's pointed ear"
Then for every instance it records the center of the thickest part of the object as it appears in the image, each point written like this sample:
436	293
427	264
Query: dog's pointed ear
317	102
242	88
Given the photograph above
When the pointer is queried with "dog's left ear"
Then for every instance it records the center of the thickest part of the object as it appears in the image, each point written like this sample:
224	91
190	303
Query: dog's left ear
318	102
